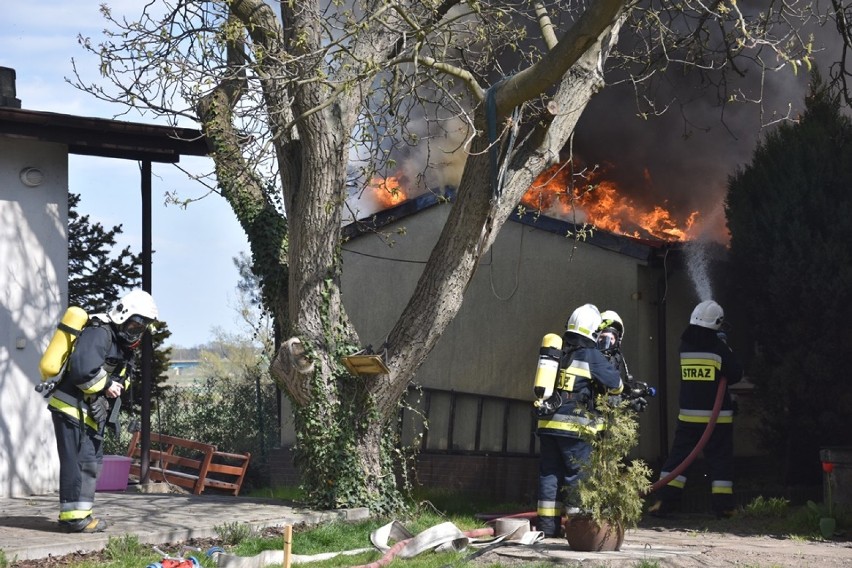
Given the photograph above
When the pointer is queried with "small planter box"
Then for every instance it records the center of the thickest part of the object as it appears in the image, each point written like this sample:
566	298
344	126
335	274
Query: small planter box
114	474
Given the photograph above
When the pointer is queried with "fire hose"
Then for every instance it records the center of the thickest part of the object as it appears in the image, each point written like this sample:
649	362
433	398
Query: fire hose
714	415
440	538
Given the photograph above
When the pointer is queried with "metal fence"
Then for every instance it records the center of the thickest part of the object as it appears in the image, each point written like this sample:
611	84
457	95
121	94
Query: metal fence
236	415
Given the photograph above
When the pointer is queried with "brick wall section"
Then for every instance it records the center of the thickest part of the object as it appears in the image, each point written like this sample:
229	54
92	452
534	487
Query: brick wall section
515	479
505	479
282	472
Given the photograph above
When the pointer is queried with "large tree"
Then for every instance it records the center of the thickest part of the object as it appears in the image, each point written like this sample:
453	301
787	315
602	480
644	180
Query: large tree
789	214
303	102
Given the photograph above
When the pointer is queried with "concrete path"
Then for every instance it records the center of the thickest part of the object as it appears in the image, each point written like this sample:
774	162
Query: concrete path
28	528
28	531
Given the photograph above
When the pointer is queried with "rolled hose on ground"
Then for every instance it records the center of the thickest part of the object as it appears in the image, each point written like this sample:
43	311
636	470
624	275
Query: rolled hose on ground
394	550
714	415
717	406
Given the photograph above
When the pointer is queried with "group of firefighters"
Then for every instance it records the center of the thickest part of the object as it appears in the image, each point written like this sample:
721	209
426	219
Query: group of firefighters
586	363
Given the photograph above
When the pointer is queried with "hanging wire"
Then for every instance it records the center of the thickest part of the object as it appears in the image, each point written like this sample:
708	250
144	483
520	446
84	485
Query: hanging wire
517	269
498	171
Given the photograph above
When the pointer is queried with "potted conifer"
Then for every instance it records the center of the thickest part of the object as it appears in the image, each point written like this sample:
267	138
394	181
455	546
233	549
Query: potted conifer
611	491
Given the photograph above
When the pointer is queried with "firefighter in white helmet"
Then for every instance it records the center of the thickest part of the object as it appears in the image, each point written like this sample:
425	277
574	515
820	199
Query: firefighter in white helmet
704	358
609	336
98	371
583	372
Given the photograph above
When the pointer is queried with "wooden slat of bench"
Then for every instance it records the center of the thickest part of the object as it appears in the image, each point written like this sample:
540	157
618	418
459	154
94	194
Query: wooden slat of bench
164	458
219	484
239	471
175	478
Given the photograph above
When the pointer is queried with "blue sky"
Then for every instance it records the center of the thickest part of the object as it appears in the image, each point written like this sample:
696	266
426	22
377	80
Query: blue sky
194	279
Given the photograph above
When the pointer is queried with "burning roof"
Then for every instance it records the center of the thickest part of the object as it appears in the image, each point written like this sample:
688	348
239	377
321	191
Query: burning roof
559	200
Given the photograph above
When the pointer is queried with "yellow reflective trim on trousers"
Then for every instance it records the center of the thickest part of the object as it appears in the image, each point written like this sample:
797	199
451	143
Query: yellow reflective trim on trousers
678	481
74	515
725	417
548	512
719	487
570	426
71	411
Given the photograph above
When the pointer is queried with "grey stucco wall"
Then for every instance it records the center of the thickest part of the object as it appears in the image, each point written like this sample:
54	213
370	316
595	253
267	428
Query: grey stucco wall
33	296
526	286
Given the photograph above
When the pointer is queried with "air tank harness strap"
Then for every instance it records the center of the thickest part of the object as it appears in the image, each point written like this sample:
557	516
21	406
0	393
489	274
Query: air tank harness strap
582	398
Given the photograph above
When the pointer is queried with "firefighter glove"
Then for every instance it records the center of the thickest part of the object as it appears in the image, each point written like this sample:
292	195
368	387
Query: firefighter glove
99	410
638	404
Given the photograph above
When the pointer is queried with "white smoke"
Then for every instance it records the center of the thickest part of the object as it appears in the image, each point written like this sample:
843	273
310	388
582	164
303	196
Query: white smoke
698	266
436	162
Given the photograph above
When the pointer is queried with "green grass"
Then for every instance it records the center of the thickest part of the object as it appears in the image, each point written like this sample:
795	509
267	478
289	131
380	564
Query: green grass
761	516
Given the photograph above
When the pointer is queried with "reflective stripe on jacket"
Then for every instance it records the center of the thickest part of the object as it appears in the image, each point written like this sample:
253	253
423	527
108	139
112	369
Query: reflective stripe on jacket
584	372
96	356
704	359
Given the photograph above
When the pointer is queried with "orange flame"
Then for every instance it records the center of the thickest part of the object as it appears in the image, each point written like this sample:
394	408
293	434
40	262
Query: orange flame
599	203
387	191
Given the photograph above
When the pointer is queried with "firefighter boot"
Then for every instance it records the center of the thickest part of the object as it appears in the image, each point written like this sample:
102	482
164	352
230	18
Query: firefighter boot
85	525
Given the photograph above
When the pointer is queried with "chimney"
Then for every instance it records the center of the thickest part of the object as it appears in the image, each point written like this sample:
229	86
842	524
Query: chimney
7	88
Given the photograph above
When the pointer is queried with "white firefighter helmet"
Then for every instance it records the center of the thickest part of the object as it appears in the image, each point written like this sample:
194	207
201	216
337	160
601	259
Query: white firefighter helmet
132	314
611	319
135	302
707	314
584	321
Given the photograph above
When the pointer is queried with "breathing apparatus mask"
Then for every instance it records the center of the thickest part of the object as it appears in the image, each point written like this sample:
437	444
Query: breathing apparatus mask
132	315
132	329
608	339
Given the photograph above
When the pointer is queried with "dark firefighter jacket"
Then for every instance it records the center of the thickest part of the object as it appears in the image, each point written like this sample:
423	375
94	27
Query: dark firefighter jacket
96	361
583	373
704	358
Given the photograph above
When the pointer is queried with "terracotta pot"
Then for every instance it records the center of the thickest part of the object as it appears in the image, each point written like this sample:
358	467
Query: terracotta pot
584	534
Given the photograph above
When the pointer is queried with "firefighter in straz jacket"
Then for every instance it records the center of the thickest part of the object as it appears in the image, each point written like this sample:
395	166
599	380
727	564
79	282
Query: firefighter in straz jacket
704	358
97	373
583	373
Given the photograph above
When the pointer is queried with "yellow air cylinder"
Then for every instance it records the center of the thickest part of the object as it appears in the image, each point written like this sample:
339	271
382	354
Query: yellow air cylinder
548	365
62	342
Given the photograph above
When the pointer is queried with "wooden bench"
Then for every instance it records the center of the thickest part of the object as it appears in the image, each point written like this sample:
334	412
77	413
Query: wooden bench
194	466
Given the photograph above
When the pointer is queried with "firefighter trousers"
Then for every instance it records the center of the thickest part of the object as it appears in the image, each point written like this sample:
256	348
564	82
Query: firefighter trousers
559	473
80	460
719	455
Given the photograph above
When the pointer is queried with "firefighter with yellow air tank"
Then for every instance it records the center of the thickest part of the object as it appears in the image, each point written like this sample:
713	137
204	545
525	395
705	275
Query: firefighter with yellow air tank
570	373
96	373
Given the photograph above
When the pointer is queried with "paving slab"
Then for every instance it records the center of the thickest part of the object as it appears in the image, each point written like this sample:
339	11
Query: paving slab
28	527
28	531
